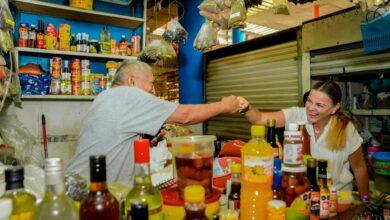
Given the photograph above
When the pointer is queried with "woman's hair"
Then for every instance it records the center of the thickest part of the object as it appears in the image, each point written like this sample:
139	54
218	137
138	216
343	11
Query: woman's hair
339	121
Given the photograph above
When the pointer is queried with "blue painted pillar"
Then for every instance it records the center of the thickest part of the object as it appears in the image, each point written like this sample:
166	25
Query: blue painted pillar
238	35
190	60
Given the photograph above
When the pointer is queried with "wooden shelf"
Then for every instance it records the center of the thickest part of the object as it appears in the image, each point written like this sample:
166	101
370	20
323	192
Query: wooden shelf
56	10
373	112
70	53
58	97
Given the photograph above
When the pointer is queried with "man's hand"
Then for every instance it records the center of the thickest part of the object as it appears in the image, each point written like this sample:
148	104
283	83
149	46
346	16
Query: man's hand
231	104
244	104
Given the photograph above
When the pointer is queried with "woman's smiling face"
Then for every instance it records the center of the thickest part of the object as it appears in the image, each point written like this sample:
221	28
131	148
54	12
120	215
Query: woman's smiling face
319	107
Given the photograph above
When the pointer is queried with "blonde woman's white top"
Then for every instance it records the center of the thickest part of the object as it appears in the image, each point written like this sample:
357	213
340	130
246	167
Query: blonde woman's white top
338	159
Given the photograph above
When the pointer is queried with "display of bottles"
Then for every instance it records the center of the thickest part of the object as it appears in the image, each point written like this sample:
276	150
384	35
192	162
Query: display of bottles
5	208
73	43
194	206
271	132
277	192
143	189
139	210
314	189
123	46
56	205
280	147
276	210
332	195
100	204
292	147
235	187
23	203
305	138
79	45
257	174
324	190
32	36
40	35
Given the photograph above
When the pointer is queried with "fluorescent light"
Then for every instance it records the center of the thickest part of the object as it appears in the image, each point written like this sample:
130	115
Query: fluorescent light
258	29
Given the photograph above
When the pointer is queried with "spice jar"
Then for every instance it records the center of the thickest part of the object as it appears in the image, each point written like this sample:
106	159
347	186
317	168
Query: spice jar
295	184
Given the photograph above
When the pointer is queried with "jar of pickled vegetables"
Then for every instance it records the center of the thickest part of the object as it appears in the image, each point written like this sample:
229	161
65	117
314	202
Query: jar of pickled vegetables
295	184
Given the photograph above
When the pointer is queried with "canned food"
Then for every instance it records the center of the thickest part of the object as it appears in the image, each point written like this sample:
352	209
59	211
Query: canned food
85	88
76	78
85	64
66	87
55	86
75	66
66	76
85	72
56	67
76	88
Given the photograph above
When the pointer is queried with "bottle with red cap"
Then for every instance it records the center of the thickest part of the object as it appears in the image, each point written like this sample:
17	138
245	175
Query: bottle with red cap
143	189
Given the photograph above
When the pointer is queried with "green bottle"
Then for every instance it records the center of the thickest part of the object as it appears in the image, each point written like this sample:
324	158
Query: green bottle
143	189
56	205
23	203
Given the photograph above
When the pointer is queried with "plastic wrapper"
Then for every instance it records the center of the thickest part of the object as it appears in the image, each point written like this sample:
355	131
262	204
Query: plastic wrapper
167	50
219	17
157	50
206	37
210	6
14	134
237	14
6	20
175	33
31	69
34	181
35	85
76	187
6	40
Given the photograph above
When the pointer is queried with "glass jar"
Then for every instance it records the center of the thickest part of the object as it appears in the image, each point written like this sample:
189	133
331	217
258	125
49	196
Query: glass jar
295	184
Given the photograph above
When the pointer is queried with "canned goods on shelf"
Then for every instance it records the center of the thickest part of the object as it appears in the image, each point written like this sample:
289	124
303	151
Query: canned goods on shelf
56	67
76	88
76	78
66	87
85	88
75	66
85	64
55	86
85	72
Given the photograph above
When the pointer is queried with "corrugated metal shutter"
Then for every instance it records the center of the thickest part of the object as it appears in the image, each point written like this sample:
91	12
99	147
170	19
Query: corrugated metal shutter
344	61
267	78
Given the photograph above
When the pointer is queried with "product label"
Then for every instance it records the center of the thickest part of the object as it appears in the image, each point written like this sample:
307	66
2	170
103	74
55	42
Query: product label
333	201
276	152
300	206
292	154
32	35
324	206
258	169
315	204
234	204
22	216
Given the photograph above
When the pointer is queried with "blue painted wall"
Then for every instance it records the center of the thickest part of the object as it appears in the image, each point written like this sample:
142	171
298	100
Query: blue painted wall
190	60
94	30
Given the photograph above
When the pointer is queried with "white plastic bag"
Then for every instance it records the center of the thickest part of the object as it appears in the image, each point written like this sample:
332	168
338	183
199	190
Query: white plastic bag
206	37
175	33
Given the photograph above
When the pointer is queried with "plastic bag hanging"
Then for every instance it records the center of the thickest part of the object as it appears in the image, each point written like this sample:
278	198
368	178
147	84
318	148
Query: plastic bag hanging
206	37
237	14
219	16
175	32
152	53
167	50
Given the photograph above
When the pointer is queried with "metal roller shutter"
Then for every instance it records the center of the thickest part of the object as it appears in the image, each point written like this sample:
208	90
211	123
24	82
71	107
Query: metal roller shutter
346	61
267	78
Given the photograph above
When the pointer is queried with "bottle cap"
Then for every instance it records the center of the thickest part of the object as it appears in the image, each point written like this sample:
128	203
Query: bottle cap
54	171
292	127
141	151
139	210
97	165
14	177
271	122
6	208
311	162
258	130
194	193
235	168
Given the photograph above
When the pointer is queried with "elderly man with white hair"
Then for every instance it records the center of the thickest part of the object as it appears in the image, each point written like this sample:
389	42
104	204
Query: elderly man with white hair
119	115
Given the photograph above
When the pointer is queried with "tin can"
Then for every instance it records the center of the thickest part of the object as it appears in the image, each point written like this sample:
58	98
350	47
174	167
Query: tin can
102	83
55	86
76	88
85	86
95	85
76	78
85	72
66	87
85	64
56	67
75	66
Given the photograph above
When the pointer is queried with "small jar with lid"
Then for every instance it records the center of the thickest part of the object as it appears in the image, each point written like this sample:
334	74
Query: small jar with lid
295	184
276	210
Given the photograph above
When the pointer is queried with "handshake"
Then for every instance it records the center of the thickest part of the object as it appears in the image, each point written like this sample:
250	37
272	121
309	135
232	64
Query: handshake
234	104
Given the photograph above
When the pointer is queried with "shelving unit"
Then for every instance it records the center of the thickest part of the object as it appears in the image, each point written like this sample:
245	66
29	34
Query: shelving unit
62	11
70	53
59	97
373	112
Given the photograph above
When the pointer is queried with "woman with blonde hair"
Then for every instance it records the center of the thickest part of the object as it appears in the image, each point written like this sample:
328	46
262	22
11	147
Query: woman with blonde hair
332	134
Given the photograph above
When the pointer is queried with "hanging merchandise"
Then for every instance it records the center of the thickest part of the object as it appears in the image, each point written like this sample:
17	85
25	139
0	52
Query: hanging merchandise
237	14
152	53
280	7
167	50
217	11
175	32
210	6
6	27
206	37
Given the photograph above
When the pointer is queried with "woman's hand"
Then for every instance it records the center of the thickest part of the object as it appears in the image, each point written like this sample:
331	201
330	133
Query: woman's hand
359	168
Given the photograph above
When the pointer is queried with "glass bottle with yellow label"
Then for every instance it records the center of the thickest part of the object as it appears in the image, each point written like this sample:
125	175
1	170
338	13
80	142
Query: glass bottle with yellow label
23	203
257	174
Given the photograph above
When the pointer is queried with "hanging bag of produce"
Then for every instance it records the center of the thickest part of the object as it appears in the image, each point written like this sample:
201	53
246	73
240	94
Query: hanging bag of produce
219	16
237	14
152	53
175	32
167	50
206	37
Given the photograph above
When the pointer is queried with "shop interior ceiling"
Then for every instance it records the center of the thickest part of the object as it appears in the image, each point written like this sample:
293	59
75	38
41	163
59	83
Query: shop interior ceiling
260	20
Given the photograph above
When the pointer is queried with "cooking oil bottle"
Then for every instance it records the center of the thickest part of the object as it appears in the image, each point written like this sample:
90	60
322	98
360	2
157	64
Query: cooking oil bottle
257	173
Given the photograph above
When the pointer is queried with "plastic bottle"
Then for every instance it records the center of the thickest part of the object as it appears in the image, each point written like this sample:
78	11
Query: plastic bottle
276	210
235	188
257	174
292	149
32	36
123	46
305	138
5	208
277	183
194	206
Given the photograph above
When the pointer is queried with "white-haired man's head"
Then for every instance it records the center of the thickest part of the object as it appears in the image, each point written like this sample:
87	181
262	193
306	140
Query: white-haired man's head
134	73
